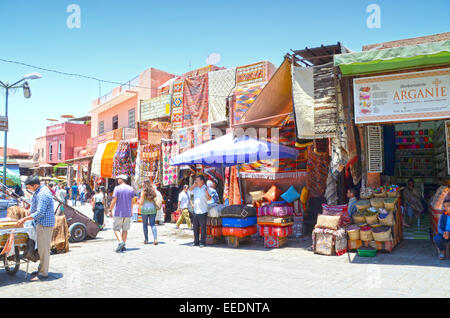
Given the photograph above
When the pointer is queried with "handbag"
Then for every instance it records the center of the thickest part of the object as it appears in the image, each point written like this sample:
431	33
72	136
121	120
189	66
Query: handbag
158	203
31	252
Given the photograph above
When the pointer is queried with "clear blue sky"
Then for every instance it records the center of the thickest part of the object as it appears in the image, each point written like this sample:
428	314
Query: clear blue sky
119	39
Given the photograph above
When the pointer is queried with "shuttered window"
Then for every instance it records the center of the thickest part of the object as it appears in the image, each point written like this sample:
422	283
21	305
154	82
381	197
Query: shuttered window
375	149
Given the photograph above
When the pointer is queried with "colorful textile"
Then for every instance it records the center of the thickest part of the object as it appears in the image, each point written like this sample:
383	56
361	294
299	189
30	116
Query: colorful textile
276	220
97	160
220	86
214	230
267	230
214	221
156	107
243	97
340	210
275	210
108	159
317	173
274	241
169	148
123	163
150	160
290	195
253	73
201	71
177	104
195	100
232	192
239	222
329	242
239	232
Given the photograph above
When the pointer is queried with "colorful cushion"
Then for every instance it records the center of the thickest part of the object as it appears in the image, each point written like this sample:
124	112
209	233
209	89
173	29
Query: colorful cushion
235	222
214	230
273	194
238	211
266	230
275	210
257	195
290	195
340	210
328	222
276	220
239	232
274	241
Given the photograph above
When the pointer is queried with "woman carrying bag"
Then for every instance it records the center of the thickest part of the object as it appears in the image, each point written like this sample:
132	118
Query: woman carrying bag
149	205
98	207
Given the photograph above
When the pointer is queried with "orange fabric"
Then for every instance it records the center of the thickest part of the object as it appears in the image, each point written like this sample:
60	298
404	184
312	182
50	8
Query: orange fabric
273	194
108	159
239	232
234	193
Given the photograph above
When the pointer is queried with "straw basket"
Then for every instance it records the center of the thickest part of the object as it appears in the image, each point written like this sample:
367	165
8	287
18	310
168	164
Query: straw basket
382	236
372	219
387	221
357	219
354	235
366	235
379	195
393	194
377	203
362	205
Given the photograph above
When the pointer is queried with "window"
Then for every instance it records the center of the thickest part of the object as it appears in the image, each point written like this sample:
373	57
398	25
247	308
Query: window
59	151
42	152
38	154
50	151
101	127
131	118
115	122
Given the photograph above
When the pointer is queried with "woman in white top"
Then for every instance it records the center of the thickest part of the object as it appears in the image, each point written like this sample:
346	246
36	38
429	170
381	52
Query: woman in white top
159	212
98	208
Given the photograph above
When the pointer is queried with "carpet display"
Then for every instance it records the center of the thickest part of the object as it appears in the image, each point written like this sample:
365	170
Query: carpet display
253	73
220	86
169	148
123	163
150	160
108	159
177	104
243	97
317	173
195	100
156	107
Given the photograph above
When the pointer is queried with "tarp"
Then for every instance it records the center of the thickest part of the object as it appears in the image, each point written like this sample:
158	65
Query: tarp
274	99
108	159
97	160
435	53
12	177
229	151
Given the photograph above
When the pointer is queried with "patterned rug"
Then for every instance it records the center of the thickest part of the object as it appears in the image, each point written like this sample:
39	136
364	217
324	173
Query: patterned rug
122	163
252	74
169	148
221	85
317	168
177	104
150	156
195	101
244	96
108	159
156	107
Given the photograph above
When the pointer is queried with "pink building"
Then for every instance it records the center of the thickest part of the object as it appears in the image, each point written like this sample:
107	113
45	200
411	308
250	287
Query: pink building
39	155
61	139
120	107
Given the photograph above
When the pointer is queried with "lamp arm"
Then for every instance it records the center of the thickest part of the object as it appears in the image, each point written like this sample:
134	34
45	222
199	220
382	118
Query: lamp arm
17	82
3	84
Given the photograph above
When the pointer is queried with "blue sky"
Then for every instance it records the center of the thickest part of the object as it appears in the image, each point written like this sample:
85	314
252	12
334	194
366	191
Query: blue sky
119	39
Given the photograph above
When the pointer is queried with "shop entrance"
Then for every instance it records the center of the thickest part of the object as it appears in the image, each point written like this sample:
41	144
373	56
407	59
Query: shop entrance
418	152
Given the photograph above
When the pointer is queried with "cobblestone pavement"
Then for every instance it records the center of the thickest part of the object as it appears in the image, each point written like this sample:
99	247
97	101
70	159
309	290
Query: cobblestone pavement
174	269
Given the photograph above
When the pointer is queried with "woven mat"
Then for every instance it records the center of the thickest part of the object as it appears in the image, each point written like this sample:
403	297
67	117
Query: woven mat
244	96
169	148
221	84
177	104
195	101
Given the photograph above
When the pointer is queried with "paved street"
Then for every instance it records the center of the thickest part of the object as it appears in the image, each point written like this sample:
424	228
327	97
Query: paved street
173	269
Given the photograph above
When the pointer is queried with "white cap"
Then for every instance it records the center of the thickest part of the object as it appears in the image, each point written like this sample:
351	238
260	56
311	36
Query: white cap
209	183
123	177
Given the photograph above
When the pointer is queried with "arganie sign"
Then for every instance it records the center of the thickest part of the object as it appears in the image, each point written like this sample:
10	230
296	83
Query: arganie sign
402	97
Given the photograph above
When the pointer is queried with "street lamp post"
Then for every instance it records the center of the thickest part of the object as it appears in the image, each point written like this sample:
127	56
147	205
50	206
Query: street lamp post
27	94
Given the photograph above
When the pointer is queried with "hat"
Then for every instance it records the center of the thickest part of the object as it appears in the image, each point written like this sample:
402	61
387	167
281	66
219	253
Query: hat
123	177
209	183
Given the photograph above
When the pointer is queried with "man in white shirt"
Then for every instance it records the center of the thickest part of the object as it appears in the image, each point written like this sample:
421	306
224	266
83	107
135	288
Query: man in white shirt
183	207
201	198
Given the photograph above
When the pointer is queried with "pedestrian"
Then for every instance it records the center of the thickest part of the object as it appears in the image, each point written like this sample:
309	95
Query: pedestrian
43	216
51	188
213	193
18	190
352	195
159	209
443	235
148	211
74	194
66	187
98	208
201	198
61	194
122	201
105	202
89	192
184	207
82	191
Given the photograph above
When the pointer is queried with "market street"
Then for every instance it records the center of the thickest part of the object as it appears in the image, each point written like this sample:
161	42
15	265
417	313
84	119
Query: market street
174	269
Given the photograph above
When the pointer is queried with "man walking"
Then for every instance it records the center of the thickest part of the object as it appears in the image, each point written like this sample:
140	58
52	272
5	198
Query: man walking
43	216
82	190
183	207
74	194
122	201
201	198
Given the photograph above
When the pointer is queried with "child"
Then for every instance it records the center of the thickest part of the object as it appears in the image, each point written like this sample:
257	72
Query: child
443	235
352	196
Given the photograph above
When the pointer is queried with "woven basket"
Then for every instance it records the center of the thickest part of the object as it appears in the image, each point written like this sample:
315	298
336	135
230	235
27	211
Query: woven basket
382	236
358	219
366	235
379	195
377	203
362	205
354	235
393	194
390	204
388	221
371	219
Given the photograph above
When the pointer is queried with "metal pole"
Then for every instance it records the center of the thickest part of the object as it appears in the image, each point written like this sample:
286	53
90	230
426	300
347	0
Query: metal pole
6	137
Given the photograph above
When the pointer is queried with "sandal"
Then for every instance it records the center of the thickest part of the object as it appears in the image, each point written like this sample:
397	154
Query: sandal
155	243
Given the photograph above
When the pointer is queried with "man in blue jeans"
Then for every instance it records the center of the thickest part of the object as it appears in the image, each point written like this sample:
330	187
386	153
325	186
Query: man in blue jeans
74	194
201	198
443	235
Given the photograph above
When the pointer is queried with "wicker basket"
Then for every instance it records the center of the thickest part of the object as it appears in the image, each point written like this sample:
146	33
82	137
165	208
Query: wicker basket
379	195
388	221
357	219
377	203
393	194
362	205
371	219
390	203
354	235
366	235
382	236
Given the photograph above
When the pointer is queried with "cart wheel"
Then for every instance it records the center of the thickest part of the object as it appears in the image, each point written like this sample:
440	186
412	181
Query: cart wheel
77	232
12	263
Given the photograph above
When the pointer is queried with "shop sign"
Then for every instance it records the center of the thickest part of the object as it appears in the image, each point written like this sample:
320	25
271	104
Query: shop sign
3	123
402	97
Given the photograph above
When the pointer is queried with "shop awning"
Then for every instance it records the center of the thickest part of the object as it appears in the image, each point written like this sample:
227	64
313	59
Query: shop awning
108	159
274	103
229	150
377	61
97	160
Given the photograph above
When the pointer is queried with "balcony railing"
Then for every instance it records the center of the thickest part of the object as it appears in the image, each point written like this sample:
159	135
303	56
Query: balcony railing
131	85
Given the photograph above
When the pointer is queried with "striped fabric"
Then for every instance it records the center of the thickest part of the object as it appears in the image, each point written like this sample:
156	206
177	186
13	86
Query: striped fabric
265	230
275	210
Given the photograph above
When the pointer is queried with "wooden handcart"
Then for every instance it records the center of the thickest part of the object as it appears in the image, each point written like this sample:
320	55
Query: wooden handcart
12	263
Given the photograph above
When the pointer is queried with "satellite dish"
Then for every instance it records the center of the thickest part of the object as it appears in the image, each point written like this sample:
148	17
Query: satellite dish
213	58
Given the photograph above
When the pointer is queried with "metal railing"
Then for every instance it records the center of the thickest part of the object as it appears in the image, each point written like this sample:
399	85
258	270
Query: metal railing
131	85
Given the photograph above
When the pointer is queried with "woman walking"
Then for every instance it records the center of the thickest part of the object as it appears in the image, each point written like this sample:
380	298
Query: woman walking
98	207
148	211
